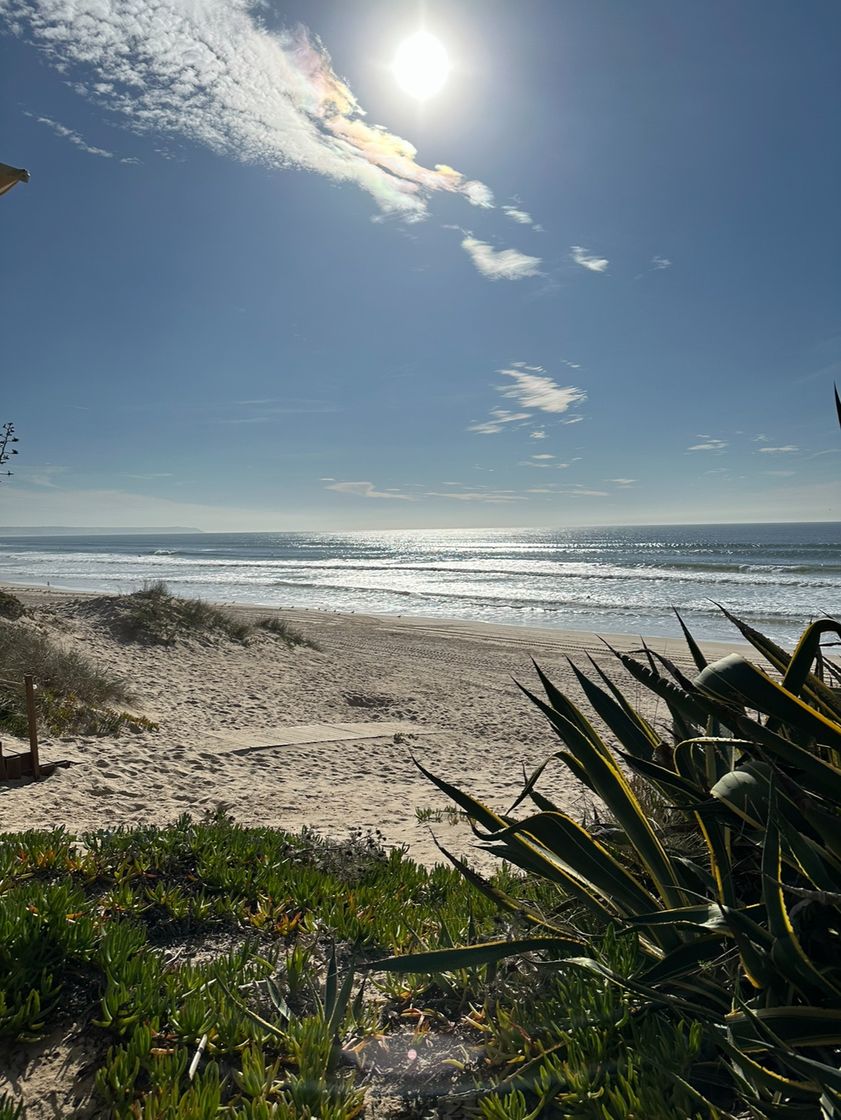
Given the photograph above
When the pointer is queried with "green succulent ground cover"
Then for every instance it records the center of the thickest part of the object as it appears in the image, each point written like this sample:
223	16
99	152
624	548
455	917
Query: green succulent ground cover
218	971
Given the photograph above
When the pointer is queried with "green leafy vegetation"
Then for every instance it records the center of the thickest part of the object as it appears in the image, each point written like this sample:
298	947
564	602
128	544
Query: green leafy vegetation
219	971
74	697
731	890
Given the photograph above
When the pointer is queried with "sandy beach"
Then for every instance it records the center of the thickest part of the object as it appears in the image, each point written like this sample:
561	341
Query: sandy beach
448	685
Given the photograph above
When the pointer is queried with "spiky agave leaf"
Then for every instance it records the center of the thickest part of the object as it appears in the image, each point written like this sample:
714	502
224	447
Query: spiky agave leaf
606	778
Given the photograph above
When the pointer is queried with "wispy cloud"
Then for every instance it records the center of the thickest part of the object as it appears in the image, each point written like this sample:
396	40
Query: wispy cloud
44	475
780	474
495	497
659	263
213	73
587	260
622	481
538	433
517	215
786	450
540	462
537	390
76	138
499	418
708	444
500	264
576	490
761	438
367	490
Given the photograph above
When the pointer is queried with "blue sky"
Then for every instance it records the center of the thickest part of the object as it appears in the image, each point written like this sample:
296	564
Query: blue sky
595	279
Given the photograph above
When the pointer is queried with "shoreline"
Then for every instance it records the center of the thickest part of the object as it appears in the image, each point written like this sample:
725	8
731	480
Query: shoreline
446	691
544	637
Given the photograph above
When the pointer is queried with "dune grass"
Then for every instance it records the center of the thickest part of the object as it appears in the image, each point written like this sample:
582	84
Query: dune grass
74	697
10	606
156	616
280	628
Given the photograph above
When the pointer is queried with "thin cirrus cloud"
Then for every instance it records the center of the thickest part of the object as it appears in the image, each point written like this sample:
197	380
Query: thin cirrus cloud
708	444
495	497
534	391
498	418
533	388
788	449
540	463
211	72
622	481
659	263
76	138
500	264
367	490
522	217
517	215
580	255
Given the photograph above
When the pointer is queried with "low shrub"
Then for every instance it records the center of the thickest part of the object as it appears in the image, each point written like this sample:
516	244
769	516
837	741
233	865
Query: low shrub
10	606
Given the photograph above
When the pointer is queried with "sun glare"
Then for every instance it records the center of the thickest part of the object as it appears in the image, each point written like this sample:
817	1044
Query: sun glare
421	65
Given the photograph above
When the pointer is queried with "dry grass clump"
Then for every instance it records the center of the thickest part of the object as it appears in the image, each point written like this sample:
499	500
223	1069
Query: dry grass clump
74	697
10	606
280	628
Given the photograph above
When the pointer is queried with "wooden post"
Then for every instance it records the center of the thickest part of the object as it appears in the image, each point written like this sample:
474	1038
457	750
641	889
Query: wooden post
29	685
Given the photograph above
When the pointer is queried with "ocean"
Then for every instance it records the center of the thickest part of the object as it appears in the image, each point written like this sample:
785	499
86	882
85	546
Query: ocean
619	580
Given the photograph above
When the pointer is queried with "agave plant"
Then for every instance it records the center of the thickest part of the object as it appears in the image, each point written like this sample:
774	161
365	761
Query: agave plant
740	930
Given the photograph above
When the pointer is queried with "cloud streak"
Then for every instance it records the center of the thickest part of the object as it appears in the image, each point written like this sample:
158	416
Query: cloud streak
587	260
499	417
367	490
212	73
537	390
708	445
74	137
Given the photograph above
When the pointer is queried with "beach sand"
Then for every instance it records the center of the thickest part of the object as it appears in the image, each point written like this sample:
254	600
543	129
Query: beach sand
451	682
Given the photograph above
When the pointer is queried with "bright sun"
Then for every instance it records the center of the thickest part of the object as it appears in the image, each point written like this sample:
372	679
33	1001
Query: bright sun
421	65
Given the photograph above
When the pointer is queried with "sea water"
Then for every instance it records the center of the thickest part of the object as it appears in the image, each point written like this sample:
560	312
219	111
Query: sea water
620	580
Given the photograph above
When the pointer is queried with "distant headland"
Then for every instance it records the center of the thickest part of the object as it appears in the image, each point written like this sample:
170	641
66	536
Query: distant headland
89	531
